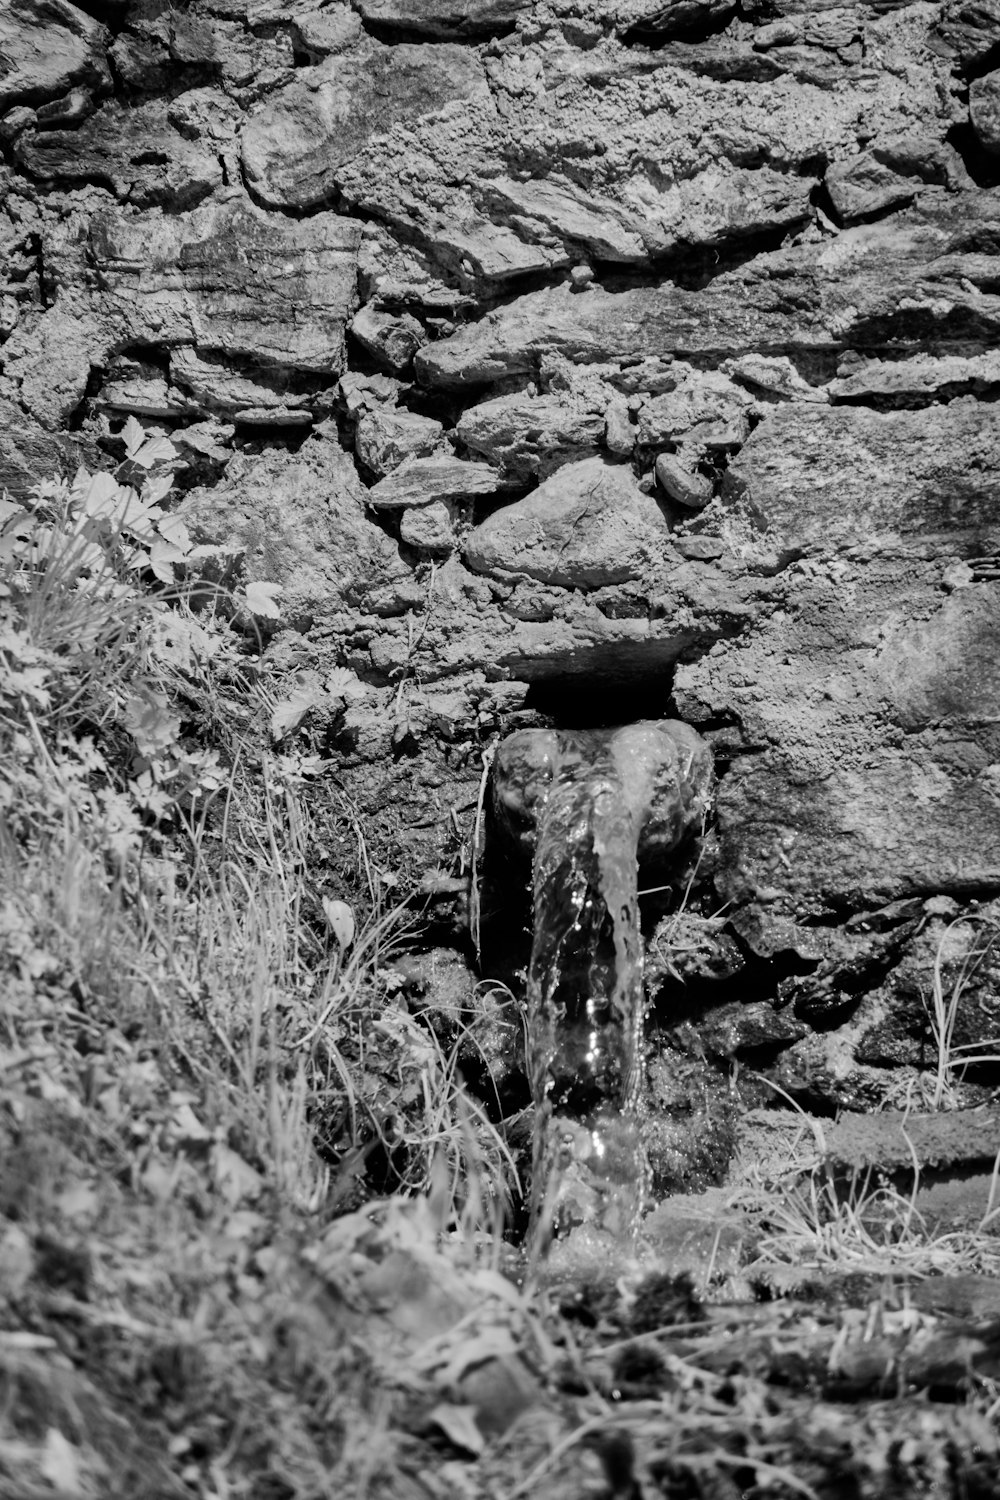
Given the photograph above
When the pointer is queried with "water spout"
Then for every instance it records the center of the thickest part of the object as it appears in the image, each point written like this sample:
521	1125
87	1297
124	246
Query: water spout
590	806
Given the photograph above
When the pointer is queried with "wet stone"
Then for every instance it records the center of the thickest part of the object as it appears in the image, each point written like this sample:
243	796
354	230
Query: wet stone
590	805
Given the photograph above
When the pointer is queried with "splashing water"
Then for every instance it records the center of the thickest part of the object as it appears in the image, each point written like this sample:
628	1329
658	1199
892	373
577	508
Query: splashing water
589	805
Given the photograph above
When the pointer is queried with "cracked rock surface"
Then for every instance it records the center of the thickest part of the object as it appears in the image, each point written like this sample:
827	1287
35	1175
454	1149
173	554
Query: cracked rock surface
638	354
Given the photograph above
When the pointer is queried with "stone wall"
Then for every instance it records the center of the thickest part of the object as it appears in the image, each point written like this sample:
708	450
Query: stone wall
598	359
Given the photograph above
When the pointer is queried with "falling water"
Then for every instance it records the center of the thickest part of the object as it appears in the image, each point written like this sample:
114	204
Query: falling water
590	804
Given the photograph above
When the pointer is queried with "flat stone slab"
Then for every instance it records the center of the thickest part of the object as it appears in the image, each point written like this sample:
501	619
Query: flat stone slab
427	481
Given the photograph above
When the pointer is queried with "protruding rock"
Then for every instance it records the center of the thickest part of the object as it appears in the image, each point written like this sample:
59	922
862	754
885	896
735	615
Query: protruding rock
865	186
682	482
45	47
868	286
972	29
984	109
528	435
706	408
135	151
917	381
429	528
133	386
428	481
683	19
619	430
443	18
292	148
386	437
587	526
298	520
392	338
279	415
51	362
362	393
772	376
323	33
219	385
229	278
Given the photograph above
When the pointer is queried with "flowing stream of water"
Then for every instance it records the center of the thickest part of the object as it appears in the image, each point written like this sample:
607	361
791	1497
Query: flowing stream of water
591	804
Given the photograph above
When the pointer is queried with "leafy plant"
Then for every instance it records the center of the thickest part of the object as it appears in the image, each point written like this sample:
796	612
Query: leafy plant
947	997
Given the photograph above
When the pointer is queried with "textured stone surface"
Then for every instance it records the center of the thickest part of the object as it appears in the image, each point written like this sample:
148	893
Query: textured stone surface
443	18
293	147
425	481
138	153
668	335
531	435
833	479
29	454
46	45
231	279
588	525
923	275
298	520
866	700
385	438
984	109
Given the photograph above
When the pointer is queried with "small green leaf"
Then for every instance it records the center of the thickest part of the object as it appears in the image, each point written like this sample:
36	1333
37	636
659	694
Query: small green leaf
341	920
133	436
260	599
173	530
159	450
150	723
162	556
289	713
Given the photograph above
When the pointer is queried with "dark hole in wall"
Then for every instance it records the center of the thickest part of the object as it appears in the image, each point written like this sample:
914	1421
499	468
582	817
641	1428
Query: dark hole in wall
988	63
392	33
679	23
110	13
982	166
585	703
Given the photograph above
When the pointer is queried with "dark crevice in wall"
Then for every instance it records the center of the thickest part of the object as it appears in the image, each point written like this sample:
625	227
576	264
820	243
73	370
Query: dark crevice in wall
988	63
572	703
988	394
110	13
680	22
392	33
694	268
94	382
982	166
